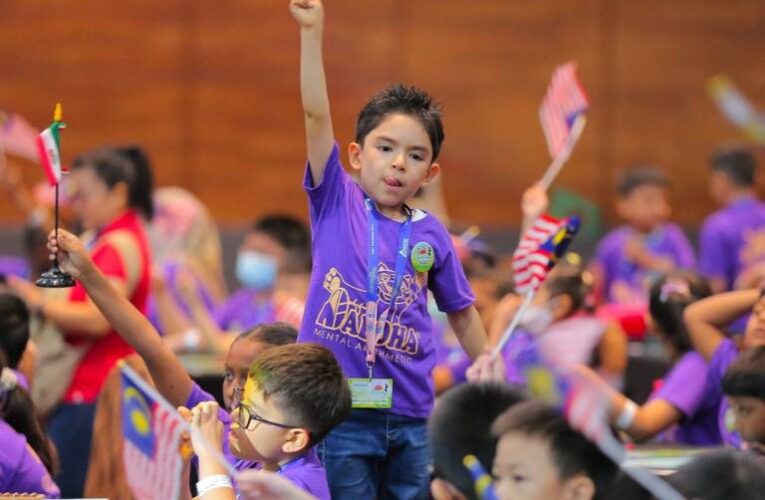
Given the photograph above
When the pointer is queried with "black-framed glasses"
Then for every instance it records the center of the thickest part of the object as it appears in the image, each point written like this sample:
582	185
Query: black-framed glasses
245	416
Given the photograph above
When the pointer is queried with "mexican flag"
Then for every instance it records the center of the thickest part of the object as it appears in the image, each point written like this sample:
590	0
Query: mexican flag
49	148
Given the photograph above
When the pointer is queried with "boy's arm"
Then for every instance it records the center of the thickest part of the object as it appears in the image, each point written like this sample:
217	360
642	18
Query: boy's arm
706	318
320	138
168	373
469	329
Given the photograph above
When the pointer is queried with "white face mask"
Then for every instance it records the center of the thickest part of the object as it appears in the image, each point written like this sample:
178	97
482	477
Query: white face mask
536	319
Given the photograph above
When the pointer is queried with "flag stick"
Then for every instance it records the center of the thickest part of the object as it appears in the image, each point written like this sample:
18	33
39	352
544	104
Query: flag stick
514	324
557	164
151	391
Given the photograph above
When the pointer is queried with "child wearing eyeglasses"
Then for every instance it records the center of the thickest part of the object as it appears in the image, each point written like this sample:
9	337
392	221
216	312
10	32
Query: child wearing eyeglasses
294	396
303	382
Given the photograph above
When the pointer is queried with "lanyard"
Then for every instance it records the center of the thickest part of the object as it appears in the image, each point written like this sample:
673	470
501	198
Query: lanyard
374	325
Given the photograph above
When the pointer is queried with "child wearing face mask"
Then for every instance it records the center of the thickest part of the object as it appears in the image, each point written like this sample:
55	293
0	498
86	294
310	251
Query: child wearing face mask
273	266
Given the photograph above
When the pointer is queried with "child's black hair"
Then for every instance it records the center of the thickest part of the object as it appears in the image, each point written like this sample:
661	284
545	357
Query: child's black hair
746	375
572	452
572	285
737	162
270	334
14	328
461	424
128	164
722	475
638	176
293	235
18	411
307	384
409	101
669	295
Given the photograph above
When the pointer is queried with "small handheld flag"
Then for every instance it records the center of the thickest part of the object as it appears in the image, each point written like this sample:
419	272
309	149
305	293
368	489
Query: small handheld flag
737	108
482	480
17	136
538	251
563	117
49	148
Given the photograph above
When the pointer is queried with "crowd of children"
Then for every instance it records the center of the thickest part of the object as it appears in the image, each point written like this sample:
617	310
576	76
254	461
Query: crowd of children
342	335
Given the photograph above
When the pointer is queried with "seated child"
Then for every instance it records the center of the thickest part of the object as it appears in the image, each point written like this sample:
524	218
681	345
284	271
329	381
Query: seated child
461	425
294	396
27	456
684	408
540	457
730	250
705	321
721	475
744	388
631	256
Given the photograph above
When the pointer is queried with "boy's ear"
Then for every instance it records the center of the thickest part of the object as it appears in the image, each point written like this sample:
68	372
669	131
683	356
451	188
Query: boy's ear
297	440
579	487
354	155
433	172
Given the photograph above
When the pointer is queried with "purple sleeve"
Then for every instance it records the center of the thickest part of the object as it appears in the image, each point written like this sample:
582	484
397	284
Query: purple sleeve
20	468
448	282
682	248
327	196
722	358
685	385
713	259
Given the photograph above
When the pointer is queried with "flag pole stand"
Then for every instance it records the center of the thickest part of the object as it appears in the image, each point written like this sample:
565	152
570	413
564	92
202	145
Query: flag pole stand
55	277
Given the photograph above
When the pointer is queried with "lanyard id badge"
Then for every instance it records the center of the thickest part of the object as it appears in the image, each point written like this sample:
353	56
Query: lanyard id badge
371	392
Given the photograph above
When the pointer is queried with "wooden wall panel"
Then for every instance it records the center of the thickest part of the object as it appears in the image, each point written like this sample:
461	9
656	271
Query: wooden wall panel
211	89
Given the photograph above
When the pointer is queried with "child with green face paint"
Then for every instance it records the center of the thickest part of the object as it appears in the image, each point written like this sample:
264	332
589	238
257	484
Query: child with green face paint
292	398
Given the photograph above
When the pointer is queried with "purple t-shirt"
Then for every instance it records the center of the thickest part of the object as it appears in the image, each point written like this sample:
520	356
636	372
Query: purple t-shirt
335	308
305	471
686	387
21	471
724	355
731	239
241	311
624	281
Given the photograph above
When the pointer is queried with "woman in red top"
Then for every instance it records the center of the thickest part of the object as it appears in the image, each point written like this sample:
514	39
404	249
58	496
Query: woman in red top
110	192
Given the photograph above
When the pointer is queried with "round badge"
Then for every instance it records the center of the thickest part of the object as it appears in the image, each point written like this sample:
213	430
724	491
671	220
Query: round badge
422	257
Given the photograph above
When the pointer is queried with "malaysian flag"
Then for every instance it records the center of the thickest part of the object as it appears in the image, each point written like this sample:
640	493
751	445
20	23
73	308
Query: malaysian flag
539	249
564	102
151	430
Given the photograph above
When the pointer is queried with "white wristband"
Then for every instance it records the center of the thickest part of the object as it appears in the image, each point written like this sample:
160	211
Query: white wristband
627	416
210	483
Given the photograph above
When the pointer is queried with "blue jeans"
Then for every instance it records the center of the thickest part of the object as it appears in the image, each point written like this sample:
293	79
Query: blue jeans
70	427
374	454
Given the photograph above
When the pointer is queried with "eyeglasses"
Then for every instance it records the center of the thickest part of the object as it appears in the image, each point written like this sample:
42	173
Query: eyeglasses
245	416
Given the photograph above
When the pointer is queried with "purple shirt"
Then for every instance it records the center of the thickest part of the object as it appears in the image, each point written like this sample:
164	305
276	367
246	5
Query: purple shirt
731	239
241	311
623	280
724	355
21	470
686	387
304	471
170	270
335	308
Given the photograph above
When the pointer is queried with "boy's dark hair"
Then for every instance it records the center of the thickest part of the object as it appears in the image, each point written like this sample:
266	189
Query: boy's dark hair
293	235
572	453
14	328
746	375
461	424
722	475
639	176
737	162
410	101
270	334
307	383
669	295
571	284
18	411
128	164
